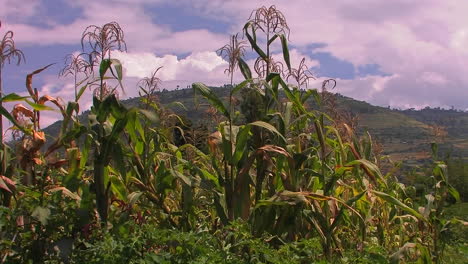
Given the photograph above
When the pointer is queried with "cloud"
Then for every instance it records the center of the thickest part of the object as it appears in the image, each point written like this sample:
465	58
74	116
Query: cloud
423	44
18	10
141	32
423	47
175	72
207	64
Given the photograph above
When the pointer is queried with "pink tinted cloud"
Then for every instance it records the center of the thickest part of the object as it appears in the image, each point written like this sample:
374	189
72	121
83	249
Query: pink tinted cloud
141	33
422	43
408	39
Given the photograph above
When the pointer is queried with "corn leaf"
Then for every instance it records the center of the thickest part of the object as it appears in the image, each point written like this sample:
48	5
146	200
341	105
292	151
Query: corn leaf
398	203
211	97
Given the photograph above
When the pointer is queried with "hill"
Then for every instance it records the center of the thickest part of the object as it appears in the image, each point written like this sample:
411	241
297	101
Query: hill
405	135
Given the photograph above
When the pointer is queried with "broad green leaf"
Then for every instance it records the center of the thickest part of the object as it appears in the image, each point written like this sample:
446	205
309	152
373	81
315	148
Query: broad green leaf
268	127
371	166
241	141
13	98
273	39
39	107
80	92
253	42
296	101
399	204
211	97
342	210
186	180
118	187
284	44
245	69
103	67
152	116
454	193
240	86
208	176
118	68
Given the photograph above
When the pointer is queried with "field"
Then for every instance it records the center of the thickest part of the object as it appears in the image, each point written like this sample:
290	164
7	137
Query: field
263	171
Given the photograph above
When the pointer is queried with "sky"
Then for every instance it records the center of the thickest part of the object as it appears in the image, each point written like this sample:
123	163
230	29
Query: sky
399	53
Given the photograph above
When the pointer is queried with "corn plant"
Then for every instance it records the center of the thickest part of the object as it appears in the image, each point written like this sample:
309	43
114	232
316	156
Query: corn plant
308	179
101	41
288	175
74	65
8	53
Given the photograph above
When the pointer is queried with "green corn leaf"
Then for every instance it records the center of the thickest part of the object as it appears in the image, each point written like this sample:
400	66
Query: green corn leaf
186	180
208	176
398	203
306	95
271	76
272	39
371	166
253	42
118	187
39	107
296	101
245	69
268	127
240	86
71	180
71	107
118	68
342	210
284	44
287	114
118	127
118	110
13	98
211	97
319	131
242	137
103	67
454	193
81	91
118	158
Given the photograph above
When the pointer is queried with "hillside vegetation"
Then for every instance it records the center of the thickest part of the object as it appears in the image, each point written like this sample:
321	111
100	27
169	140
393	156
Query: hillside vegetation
405	135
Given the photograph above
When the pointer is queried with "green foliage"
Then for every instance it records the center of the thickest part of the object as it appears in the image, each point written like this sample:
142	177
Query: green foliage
279	181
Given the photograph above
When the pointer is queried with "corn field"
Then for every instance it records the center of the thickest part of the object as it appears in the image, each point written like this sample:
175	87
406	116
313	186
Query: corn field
275	180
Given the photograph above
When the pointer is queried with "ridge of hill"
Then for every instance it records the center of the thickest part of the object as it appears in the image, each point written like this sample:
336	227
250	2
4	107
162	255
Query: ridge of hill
405	135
